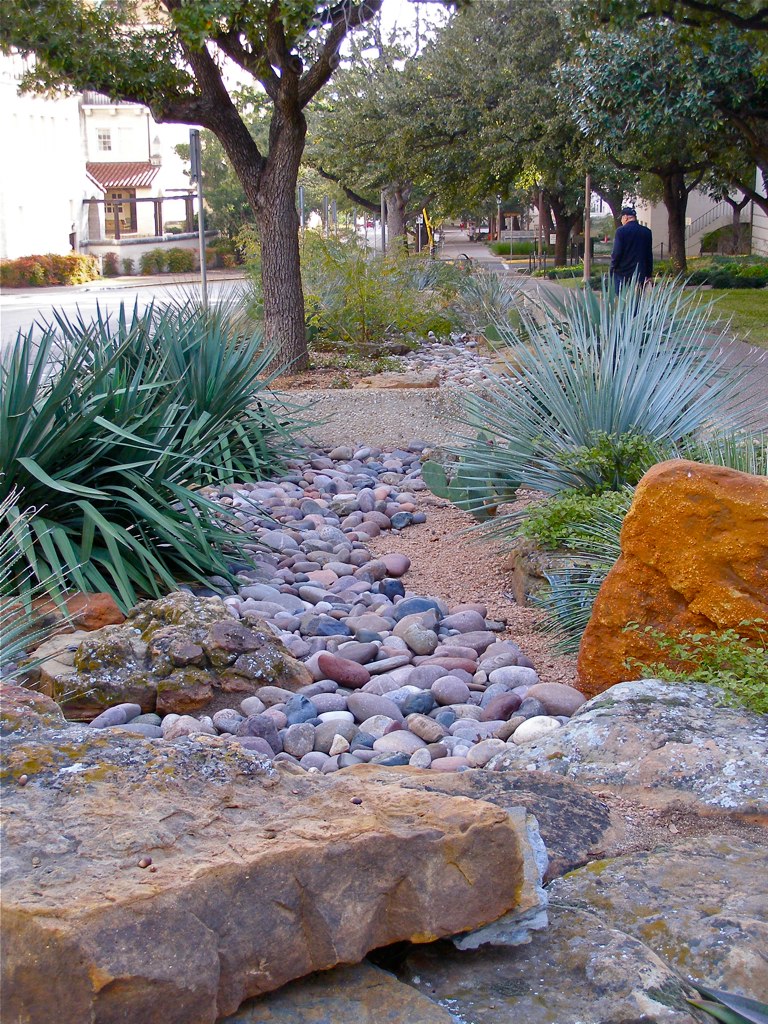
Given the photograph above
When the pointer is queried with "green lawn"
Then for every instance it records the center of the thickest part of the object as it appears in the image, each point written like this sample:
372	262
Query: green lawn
748	308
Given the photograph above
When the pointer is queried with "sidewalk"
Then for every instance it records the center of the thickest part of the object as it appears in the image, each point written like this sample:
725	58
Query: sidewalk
109	284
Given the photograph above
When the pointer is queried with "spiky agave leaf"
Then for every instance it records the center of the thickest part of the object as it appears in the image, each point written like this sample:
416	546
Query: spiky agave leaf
641	363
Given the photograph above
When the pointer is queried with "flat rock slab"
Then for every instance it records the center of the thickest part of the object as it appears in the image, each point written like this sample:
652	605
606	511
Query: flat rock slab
363	994
663	744
625	936
573	822
257	876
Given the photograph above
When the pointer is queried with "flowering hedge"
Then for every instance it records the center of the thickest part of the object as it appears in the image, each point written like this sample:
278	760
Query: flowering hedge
50	269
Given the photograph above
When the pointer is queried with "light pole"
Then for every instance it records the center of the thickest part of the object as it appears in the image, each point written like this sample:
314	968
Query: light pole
498	218
196	177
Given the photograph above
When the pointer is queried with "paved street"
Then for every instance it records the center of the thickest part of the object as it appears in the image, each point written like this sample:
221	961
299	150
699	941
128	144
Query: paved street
20	308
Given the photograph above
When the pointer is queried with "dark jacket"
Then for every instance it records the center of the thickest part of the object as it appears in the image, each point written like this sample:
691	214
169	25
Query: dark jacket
632	252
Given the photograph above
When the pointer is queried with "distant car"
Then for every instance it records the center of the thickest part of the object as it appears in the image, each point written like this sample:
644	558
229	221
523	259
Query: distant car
369	223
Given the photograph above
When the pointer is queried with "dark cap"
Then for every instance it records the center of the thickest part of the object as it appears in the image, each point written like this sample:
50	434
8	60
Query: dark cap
628	211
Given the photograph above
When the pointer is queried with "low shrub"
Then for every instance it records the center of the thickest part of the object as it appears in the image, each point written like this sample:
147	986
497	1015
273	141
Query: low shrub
51	269
567	520
129	268
361	301
180	261
153	262
728	659
110	265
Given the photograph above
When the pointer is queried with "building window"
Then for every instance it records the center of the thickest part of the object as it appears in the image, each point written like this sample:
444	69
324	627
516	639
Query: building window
104	140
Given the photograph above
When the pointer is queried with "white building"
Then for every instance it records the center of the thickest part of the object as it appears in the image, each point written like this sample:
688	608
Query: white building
85	173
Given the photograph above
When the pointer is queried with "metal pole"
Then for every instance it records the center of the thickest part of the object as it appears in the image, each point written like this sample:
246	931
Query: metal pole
383	224
301	209
541	228
587	229
196	176
325	216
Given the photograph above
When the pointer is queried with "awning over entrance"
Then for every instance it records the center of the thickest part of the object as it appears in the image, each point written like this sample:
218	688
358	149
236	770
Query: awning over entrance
135	174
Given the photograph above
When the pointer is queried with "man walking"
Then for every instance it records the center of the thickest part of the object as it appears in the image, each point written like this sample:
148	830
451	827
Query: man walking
632	255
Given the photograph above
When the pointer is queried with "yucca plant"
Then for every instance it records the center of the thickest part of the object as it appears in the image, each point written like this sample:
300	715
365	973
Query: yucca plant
487	300
644	364
19	628
106	438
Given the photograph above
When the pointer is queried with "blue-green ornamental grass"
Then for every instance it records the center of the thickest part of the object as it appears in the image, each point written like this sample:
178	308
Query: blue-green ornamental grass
110	427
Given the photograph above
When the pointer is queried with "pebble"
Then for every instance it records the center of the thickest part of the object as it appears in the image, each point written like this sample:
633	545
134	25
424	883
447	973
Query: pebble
400	678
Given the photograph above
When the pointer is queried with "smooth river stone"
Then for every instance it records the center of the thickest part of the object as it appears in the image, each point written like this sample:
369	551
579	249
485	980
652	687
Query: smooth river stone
501	707
467	653
481	753
356	651
450	690
478	640
514	675
262	727
465	622
299	740
376	726
400	742
557	698
396	563
425	728
329	702
420	758
535	728
326	731
451	763
449	664
366	705
420	639
346	673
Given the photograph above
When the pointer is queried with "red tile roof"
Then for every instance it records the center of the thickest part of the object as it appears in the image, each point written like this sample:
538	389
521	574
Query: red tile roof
123	175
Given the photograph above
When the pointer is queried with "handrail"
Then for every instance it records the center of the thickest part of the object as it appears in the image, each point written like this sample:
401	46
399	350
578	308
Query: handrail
722	209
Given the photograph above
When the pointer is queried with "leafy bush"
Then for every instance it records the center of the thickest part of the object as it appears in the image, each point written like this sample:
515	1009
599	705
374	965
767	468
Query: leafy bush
109	264
567	520
51	269
153	262
180	261
723	271
111	426
360	301
128	266
729	659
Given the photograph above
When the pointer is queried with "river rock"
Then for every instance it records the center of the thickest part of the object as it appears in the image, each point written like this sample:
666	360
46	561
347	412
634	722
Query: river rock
535	729
661	743
346	673
694	545
557	698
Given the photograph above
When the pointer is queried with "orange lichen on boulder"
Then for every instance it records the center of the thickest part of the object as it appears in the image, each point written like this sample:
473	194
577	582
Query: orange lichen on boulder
694	555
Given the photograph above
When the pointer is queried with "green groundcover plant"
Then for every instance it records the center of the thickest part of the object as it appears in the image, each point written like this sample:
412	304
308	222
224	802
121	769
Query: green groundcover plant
111	427
734	662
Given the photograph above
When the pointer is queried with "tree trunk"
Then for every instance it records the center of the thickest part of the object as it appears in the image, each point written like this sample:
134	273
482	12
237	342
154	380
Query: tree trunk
564	223
396	197
270	187
676	202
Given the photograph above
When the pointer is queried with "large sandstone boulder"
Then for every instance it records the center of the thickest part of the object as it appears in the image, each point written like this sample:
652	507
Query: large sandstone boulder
694	555
573	823
662	744
170	655
625	937
168	882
